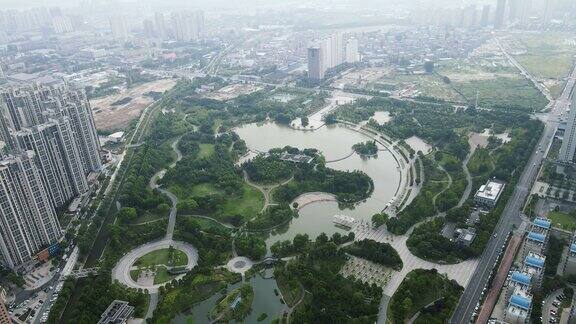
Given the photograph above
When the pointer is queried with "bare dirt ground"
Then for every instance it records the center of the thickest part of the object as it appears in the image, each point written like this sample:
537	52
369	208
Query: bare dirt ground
113	118
232	91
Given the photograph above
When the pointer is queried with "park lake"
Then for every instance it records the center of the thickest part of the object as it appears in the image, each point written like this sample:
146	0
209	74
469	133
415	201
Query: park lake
335	143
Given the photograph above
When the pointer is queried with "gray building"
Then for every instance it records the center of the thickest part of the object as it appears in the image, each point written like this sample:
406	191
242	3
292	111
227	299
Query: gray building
568	147
28	106
57	157
28	220
118	312
315	64
500	17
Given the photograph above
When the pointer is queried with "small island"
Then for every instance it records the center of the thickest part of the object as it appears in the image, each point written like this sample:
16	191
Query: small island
366	149
234	306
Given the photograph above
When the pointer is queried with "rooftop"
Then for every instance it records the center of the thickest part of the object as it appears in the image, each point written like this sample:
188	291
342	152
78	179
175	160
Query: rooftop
538	237
521	278
521	302
491	190
535	260
542	222
118	312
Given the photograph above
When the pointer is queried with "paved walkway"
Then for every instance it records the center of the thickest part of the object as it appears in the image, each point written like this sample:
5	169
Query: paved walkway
460	272
121	271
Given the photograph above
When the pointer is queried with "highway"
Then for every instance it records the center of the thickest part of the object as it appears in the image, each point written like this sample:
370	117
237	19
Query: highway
511	214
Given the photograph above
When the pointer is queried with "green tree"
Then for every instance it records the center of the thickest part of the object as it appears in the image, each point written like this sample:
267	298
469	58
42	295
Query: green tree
127	214
379	219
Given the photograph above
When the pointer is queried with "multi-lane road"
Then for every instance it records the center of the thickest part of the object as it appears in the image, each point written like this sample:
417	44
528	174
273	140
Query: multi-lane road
511	215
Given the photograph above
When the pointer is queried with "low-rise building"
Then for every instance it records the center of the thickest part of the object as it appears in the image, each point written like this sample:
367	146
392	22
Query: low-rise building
118	312
535	242
519	307
465	236
570	262
489	193
4	315
534	265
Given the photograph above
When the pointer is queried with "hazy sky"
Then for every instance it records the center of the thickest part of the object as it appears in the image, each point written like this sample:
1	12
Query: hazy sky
23	4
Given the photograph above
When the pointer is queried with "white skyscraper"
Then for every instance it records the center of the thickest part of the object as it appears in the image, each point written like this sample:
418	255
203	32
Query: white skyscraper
119	27
28	221
160	25
352	55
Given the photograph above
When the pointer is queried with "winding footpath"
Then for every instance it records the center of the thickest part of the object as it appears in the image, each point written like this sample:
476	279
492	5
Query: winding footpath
121	271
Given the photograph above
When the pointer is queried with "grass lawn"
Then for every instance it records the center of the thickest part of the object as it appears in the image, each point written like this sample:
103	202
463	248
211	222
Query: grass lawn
162	275
562	220
249	204
150	216
207	224
201	190
134	274
554	66
162	257
205	150
503	91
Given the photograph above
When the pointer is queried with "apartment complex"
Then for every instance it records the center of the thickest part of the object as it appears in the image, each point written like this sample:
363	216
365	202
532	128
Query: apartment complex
50	148
28	220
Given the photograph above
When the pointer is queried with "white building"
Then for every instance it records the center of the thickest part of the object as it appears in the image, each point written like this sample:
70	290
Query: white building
352	55
489	193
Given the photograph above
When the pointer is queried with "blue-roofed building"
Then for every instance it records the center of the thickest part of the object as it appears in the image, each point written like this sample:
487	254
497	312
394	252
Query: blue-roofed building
519	307
569	267
542	223
536	240
518	281
521	278
534	265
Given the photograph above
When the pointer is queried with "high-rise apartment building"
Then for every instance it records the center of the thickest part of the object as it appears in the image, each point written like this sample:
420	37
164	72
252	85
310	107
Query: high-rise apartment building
315	64
188	26
485	18
352	55
32	105
160	25
28	220
568	147
57	157
119	28
500	17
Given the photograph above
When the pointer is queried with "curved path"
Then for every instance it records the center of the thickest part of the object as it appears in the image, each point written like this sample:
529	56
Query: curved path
121	271
265	190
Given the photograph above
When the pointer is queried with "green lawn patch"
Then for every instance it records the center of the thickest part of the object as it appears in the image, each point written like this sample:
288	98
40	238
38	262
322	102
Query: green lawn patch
168	257
247	205
562	220
134	274
162	276
206	150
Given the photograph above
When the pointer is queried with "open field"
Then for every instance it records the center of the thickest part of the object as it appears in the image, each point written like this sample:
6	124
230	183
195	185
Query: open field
110	116
562	220
548	56
232	91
